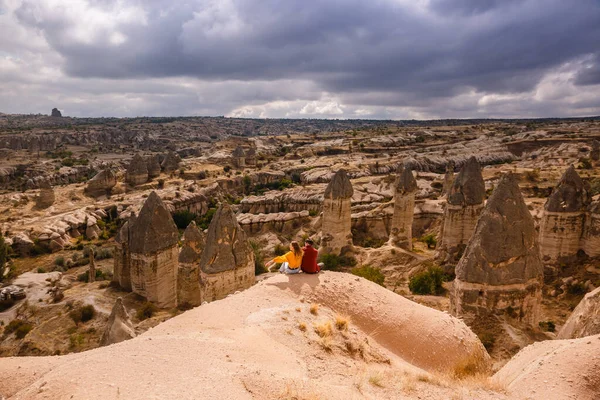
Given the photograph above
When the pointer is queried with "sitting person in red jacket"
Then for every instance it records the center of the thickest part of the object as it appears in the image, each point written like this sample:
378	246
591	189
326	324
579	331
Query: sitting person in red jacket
309	260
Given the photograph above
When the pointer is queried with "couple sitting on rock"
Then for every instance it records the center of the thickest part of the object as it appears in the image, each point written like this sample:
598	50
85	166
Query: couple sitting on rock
298	259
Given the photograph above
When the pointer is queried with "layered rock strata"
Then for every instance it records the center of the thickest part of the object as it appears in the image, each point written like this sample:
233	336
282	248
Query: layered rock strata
227	262
188	274
464	204
563	218
336	226
500	271
154	253
404	206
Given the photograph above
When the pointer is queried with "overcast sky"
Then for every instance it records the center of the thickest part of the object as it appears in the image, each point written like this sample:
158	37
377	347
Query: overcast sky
392	59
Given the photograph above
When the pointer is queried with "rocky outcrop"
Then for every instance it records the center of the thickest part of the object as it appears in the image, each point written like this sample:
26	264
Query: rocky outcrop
137	171
101	184
500	271
239	157
188	275
154	253
153	165
46	197
285	222
171	162
336	233
56	113
404	206
227	262
118	326
585	319
563	219
464	204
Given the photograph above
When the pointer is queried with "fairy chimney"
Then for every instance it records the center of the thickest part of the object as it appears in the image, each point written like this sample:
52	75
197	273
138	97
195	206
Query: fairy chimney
137	171
171	162
463	207
404	206
188	276
336	232
500	271
448	178
118	327
251	157
239	157
153	165
563	218
595	153
585	318
122	256
154	253
227	261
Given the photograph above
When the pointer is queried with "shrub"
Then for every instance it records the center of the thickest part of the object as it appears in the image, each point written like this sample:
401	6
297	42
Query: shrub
259	267
533	175
279	250
547	326
577	289
370	273
183	218
227	168
83	313
373	242
146	311
103	254
161	183
204	221
313	213
585	163
427	282
41	270
333	262
488	340
430	240
19	327
59	261
341	322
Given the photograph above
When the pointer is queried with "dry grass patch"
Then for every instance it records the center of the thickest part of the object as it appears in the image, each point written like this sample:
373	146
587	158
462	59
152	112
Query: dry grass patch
324	329
341	322
314	309
376	380
302	326
298	309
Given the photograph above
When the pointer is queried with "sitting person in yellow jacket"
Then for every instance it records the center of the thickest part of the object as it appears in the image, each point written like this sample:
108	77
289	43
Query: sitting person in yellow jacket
290	261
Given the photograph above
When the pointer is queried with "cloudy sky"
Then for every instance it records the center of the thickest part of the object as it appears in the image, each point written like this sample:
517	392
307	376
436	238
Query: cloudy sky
392	59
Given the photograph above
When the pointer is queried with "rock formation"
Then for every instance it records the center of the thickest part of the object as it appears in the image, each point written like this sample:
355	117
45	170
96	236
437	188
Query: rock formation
118	327
404	206
591	231
501	270
55	113
46	197
585	319
464	204
448	178
563	219
171	162
92	266
227	262
251	157
101	184
153	166
137	171
188	277
154	254
595	153
336	233
239	157
122	256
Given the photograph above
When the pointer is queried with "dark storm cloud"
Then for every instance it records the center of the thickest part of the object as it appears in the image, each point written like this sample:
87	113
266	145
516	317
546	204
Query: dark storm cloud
351	45
336	58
